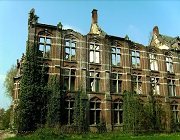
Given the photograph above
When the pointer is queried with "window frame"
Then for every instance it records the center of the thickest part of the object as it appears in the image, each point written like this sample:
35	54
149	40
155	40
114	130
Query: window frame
71	48
95	58
136	84
69	111
118	81
44	44
115	53
174	109
95	112
119	111
153	61
169	64
95	78
155	85
172	86
136	58
69	76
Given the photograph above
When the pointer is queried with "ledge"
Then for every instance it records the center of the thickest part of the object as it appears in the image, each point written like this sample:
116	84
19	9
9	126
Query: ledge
96	64
176	97
70	61
139	69
155	71
114	66
170	73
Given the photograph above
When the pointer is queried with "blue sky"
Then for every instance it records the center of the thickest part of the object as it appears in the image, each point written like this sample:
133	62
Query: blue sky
134	18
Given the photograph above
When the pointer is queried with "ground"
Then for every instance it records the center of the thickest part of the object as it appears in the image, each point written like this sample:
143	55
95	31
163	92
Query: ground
4	134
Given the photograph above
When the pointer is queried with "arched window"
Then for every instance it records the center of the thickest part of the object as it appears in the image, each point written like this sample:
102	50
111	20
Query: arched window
69	103
118	111
95	110
174	109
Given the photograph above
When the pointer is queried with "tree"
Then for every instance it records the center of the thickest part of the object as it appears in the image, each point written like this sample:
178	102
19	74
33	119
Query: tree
1	116
6	119
150	37
9	81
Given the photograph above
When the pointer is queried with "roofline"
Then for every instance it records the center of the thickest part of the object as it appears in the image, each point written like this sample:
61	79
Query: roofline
46	25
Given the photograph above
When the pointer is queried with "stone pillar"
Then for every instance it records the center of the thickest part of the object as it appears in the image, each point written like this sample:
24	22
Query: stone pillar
168	114
107	111
83	79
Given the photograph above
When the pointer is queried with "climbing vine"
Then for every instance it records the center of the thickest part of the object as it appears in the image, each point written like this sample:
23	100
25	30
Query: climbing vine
79	115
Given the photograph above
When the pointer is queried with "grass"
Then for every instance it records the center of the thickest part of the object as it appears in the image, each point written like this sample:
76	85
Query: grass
55	134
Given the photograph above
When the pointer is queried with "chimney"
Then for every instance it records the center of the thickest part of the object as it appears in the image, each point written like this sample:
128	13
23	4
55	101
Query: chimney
18	64
94	16
156	30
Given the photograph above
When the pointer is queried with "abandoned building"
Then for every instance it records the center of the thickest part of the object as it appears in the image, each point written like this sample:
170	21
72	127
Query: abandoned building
105	66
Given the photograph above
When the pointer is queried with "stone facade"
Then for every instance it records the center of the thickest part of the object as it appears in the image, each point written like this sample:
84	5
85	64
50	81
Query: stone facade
106	66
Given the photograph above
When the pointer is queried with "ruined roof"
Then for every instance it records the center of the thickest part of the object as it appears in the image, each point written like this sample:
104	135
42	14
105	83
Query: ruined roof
166	39
95	29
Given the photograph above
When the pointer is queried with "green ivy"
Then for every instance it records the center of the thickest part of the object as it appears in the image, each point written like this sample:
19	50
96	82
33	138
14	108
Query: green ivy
31	108
55	105
79	115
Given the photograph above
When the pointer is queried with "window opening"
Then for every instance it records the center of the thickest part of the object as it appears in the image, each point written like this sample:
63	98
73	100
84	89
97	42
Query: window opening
94	81
69	79
116	56
153	62
95	111
70	50
155	85
94	53
175	111
69	104
118	112
171	87
137	84
135	58
169	64
116	82
44	46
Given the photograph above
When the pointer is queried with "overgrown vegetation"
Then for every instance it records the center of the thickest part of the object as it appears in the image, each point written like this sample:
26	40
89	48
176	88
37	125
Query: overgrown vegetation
56	134
55	112
79	115
5	118
9	81
138	118
32	91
